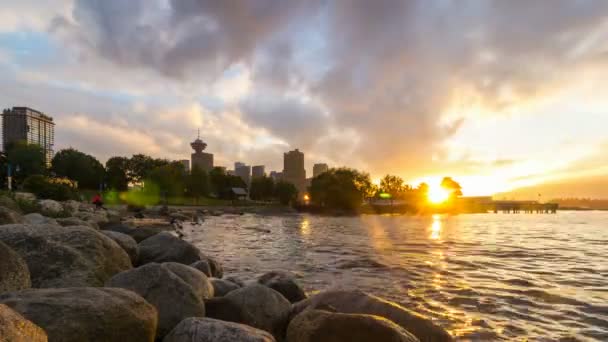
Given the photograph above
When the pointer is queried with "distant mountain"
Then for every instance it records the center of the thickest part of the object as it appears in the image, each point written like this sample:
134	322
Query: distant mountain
588	188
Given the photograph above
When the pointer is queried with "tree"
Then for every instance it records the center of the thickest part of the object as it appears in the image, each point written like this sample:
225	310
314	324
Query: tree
80	167
169	179
393	185
197	183
262	188
26	160
341	188
141	165
221	182
117	169
451	186
285	192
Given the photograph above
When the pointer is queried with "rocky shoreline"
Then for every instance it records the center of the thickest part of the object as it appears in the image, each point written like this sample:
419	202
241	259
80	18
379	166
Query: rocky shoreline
71	273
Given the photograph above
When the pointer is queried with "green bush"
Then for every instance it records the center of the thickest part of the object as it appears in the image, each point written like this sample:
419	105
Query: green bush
49	188
27	206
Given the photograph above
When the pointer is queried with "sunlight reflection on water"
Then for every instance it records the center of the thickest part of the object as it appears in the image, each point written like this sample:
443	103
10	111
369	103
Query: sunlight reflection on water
482	277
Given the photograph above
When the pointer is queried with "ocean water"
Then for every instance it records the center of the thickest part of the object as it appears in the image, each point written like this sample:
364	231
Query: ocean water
540	277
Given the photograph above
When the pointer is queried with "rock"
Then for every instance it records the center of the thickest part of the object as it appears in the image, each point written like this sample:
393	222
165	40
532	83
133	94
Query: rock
98	216
86	313
217	270
165	247
74	221
71	207
222	287
203	266
139	233
16	328
65	256
51	208
113	216
14	273
181	217
255	305
8	202
358	302
177	291
125	242
285	284
36	218
212	330
323	326
25	196
10	216
235	280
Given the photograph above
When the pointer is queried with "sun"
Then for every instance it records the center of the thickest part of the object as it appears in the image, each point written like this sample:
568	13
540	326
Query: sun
437	194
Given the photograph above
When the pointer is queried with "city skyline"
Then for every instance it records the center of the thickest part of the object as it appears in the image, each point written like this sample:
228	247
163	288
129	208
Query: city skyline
419	89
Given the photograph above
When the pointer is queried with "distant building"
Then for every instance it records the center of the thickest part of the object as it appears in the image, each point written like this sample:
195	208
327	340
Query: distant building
258	171
293	169
199	158
243	171
276	176
318	169
31	126
186	164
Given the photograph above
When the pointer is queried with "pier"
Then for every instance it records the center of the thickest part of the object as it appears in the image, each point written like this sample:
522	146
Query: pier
528	207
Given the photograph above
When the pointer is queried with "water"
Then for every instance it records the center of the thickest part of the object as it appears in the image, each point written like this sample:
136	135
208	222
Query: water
482	277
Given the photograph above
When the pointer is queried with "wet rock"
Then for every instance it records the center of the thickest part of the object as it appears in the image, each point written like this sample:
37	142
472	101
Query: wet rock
181	216
74	221
10	216
285	284
51	208
139	233
323	326
65	256
212	330
222	287
235	280
36	218
98	216
86	313
16	328
358	302
209	266
256	305
125	242
165	247
203	266
14	273
177	291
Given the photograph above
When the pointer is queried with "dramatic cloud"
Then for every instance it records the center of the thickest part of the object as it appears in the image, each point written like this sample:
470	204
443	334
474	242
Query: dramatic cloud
388	86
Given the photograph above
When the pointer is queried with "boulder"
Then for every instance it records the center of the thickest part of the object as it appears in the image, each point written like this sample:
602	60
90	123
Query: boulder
203	266
25	196
285	284
222	287
323	326
10	216
235	280
86	313
16	328
97	216
113	216
212	330
358	302
71	207
8	202
36	218
165	247
179	216
177	291
139	233
65	256
51	208
74	221
125	242
14	274
256	305
209	266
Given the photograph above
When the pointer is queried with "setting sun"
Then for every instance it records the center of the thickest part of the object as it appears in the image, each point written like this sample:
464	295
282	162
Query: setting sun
438	194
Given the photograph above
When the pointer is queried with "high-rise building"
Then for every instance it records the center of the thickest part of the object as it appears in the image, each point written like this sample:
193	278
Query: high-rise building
276	176
199	158
293	169
243	171
318	169
258	171
31	126
186	164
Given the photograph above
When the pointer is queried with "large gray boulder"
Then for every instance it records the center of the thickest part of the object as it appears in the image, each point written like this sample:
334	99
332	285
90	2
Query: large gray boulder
75	221
256	305
126	242
16	328
165	247
177	291
209	266
14	274
323	326
358	302
86	313
65	256
285	284
97	216
10	216
222	287
51	208
139	233
212	330
36	218
71	207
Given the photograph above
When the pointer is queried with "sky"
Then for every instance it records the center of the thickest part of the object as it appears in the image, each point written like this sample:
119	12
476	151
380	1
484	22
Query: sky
498	94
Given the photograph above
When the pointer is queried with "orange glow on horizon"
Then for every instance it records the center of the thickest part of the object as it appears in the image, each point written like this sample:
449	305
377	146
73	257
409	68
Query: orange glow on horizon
437	194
